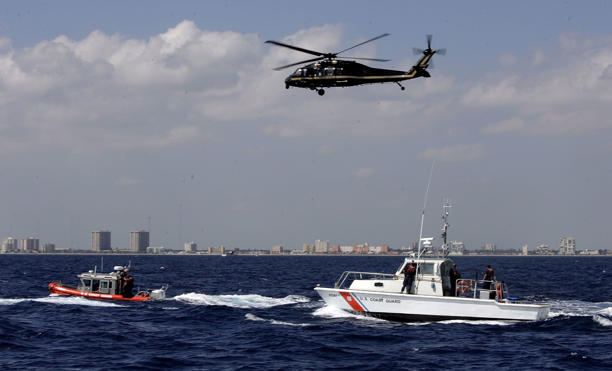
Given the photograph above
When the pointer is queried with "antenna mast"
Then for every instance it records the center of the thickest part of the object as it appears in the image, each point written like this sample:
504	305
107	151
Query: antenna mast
424	207
445	225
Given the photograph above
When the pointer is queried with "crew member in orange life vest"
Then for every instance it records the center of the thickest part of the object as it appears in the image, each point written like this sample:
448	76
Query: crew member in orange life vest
409	272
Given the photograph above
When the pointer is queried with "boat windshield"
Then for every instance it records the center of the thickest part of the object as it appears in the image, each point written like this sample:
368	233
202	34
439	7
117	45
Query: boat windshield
426	268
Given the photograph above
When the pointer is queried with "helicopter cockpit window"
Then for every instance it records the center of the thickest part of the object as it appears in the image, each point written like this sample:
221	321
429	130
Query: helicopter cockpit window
329	71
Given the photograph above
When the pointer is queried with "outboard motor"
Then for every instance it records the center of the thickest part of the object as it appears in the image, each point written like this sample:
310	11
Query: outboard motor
159	293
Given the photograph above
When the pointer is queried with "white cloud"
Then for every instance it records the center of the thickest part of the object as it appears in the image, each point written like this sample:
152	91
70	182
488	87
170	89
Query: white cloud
506	126
538	58
111	92
507	60
364	172
189	85
127	181
186	84
454	154
571	95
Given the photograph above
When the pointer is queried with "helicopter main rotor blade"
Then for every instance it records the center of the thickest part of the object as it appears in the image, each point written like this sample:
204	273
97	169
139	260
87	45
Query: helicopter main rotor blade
295	48
296	63
366	59
365	42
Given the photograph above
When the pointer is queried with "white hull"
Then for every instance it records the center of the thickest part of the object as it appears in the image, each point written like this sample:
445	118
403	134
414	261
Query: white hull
403	307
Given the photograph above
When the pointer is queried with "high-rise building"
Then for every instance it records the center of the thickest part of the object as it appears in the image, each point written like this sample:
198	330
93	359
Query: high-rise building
543	249
525	250
9	245
48	248
139	241
320	247
101	240
30	244
489	247
567	246
456	248
191	247
276	249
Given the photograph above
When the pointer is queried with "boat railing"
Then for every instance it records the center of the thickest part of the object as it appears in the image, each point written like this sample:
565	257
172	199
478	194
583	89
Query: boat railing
481	289
349	276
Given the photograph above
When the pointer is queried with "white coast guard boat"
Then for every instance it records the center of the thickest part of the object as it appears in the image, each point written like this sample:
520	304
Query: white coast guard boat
430	298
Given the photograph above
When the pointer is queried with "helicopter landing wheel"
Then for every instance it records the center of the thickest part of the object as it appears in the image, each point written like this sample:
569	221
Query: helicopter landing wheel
321	92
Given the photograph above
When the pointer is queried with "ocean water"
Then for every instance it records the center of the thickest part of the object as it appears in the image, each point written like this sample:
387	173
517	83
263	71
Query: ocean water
248	312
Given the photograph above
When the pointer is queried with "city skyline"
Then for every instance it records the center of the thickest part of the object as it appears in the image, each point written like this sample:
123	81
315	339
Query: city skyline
140	243
177	124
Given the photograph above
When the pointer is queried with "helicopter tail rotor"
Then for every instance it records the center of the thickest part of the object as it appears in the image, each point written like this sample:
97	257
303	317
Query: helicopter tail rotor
429	50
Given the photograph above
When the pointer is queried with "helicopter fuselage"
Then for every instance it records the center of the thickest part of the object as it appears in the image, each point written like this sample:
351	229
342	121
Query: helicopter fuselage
328	70
341	73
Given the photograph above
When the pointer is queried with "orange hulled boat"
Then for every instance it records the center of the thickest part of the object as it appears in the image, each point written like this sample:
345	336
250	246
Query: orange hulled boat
106	286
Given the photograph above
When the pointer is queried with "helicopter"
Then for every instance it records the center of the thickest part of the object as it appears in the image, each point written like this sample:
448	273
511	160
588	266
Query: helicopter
329	70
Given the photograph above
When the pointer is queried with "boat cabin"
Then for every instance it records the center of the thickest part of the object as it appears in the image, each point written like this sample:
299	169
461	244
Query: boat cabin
432	276
104	283
431	279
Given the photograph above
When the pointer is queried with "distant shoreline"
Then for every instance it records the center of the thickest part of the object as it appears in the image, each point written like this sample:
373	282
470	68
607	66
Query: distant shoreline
301	255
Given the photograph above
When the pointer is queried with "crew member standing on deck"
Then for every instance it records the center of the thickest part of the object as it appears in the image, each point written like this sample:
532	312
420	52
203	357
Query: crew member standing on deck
488	278
122	276
454	276
409	272
128	286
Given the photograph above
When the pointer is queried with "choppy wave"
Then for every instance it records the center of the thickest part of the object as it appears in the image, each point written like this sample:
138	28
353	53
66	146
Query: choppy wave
240	301
253	317
572	308
604	317
206	330
61	300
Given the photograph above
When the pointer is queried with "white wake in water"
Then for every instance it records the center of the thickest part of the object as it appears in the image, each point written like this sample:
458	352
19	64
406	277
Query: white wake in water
573	308
240	301
333	312
253	317
480	322
600	312
61	300
604	317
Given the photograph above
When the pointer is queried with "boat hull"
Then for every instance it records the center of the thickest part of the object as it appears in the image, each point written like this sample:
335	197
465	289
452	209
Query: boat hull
407	308
60	289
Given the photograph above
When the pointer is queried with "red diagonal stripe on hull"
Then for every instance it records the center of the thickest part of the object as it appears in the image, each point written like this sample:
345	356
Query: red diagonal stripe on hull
352	302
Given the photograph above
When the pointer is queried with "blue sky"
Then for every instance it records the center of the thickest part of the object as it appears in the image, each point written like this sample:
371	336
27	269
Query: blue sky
113	112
